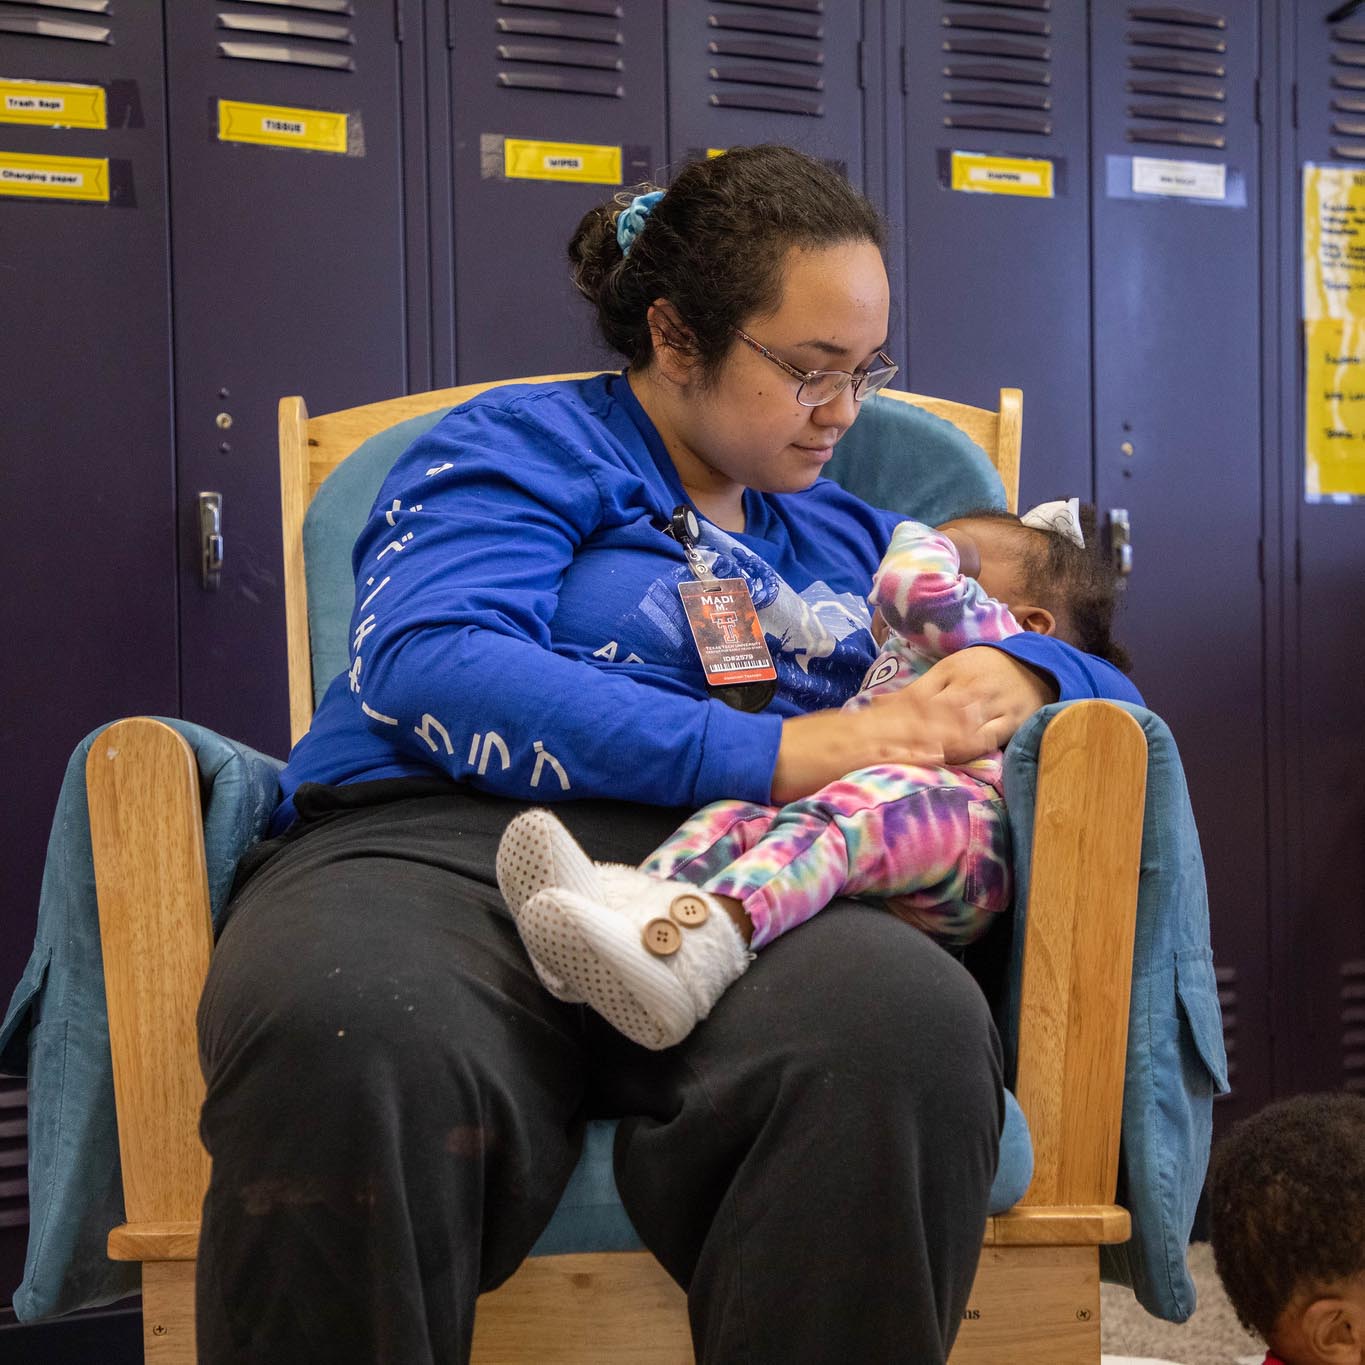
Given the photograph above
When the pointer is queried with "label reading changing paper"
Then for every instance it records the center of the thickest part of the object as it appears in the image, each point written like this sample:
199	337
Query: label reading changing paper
54	177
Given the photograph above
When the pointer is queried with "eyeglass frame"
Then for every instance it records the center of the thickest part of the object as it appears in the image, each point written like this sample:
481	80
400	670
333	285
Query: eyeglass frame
855	377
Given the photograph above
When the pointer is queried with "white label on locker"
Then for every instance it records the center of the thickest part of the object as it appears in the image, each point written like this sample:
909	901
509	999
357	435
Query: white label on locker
54	177
1186	179
52	105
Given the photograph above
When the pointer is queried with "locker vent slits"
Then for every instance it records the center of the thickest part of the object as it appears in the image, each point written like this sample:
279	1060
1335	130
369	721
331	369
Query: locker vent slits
997	69
1353	1026
61	22
324	6
1226	980
572	47
85	6
1178	66
13	1153
1348	74
767	55
293	40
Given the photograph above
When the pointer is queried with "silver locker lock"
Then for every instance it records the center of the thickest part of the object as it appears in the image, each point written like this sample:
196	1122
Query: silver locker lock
1121	541
211	539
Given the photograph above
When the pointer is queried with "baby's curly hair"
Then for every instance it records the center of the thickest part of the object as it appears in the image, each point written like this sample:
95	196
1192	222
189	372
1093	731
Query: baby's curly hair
1286	1198
1080	582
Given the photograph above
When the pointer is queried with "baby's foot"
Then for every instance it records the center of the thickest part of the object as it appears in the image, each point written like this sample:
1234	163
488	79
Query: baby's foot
650	957
537	852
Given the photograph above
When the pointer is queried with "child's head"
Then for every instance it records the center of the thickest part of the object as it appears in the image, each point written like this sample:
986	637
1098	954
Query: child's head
1286	1195
1050	584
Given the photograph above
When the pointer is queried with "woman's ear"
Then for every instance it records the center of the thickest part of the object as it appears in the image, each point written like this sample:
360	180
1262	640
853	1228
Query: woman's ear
1037	619
672	340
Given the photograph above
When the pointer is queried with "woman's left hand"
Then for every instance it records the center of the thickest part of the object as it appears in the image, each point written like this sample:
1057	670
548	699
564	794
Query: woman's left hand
1006	691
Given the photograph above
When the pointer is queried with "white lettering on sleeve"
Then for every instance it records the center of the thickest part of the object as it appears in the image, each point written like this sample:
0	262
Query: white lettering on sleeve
544	756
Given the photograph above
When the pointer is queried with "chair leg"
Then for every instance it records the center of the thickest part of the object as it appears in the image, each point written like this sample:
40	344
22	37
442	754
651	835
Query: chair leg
1033	1303
168	1312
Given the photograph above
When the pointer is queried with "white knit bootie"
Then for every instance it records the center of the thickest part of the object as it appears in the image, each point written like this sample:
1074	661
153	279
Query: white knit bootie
651	957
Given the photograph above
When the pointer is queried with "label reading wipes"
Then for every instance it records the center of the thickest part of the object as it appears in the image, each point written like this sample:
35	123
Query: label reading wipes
55	177
580	163
270	125
976	173
52	105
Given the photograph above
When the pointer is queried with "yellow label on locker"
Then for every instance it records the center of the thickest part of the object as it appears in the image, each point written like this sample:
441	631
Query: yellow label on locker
274	125
715	151
52	105
55	177
582	163
977	173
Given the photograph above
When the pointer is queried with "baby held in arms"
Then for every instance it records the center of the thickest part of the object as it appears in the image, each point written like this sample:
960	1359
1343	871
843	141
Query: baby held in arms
652	948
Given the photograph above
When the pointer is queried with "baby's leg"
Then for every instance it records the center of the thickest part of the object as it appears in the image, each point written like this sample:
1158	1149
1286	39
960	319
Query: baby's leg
892	830
709	841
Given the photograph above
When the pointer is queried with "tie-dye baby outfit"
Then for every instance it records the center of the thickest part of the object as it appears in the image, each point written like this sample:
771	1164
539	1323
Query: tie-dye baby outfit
932	842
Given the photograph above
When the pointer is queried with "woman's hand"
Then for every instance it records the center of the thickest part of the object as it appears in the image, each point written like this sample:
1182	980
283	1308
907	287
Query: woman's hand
965	706
909	727
1006	691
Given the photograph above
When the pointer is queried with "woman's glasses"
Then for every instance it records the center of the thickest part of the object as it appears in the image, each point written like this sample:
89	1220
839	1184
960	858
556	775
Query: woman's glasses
821	386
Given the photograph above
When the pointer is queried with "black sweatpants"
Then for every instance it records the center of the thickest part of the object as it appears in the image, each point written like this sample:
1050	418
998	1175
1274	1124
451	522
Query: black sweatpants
394	1105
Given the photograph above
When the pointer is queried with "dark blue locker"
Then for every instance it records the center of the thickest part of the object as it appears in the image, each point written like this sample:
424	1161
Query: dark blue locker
997	284
1177	373
289	256
86	508
1322	936
554	108
748	71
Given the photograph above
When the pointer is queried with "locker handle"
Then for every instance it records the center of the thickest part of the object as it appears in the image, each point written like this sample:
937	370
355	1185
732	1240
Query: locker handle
211	540
1121	541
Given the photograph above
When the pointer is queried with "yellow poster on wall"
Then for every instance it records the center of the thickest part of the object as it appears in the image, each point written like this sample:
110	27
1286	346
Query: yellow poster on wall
1334	331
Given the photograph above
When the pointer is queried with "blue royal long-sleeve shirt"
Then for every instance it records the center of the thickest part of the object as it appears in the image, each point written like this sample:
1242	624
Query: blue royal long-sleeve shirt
518	624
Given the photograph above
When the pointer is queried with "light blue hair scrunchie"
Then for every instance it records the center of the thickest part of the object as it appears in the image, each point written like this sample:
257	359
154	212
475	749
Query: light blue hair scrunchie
630	222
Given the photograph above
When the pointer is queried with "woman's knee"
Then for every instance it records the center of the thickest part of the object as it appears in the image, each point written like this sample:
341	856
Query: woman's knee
856	994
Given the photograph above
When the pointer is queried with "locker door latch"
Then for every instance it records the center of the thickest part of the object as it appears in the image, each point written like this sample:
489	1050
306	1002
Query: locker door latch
1121	541
211	539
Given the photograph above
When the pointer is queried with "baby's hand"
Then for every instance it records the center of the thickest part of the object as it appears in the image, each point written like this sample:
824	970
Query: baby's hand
968	555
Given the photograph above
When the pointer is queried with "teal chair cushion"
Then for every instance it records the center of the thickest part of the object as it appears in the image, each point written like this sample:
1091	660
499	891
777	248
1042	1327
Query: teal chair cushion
1175	1060
56	1030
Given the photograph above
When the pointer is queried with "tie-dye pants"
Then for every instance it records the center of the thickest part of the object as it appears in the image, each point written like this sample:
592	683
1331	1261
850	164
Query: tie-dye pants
933	843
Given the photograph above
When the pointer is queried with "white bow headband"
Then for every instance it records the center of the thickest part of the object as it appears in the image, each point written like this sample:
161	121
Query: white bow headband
1062	517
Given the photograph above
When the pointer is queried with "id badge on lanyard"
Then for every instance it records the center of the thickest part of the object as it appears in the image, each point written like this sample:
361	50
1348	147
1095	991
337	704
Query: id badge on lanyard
725	626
